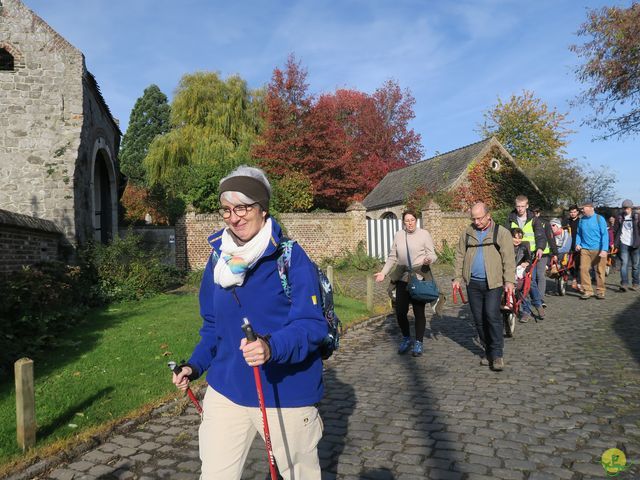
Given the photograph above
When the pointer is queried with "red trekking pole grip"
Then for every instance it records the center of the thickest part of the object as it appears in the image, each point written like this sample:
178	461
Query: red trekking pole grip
458	289
177	369
252	337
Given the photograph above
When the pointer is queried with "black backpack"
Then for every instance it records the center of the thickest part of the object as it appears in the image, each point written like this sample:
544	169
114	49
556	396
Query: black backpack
480	245
331	342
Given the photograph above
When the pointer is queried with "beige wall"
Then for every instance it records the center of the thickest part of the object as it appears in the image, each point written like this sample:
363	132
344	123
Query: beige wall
320	234
444	226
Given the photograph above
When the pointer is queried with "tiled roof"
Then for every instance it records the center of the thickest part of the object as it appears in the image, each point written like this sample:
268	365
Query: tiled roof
436	173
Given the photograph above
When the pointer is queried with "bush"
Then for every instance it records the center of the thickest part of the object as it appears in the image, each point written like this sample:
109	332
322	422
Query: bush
38	302
126	271
359	260
447	255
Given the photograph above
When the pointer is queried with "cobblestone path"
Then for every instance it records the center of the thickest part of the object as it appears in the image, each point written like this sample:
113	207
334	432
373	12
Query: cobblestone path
570	391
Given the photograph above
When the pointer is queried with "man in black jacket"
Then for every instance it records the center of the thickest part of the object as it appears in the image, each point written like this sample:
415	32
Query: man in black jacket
626	238
571	223
523	218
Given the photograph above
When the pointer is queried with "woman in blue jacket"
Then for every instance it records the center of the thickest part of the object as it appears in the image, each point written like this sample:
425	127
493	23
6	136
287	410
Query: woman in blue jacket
240	281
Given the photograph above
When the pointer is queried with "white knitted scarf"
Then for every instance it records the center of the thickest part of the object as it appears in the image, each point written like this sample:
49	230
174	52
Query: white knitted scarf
236	260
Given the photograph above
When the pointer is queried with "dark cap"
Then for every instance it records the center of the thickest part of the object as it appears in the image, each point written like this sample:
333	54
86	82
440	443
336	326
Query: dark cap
250	186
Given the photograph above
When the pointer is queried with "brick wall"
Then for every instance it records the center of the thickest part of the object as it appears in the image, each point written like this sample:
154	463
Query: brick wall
26	240
444	226
320	234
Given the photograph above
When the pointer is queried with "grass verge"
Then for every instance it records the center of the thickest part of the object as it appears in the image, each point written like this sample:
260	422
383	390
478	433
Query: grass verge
110	367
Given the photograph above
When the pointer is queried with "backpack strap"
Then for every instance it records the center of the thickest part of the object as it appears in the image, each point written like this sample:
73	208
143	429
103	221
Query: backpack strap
480	245
284	262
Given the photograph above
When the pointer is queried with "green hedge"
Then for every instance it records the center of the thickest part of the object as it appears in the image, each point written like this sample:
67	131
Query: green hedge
44	299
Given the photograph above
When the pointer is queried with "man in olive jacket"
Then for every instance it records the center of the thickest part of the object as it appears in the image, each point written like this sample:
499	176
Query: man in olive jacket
486	262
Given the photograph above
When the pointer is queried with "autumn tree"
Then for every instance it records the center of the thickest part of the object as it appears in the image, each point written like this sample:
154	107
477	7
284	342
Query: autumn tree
345	142
149	118
214	123
611	69
536	138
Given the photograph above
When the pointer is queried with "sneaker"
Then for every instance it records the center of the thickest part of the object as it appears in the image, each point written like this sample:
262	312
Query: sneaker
580	289
574	285
484	361
438	305
540	311
623	288
525	317
600	296
498	364
405	345
586	296
417	348
544	305
634	288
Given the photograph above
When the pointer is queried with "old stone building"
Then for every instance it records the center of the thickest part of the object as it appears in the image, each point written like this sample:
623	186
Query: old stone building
448	174
58	139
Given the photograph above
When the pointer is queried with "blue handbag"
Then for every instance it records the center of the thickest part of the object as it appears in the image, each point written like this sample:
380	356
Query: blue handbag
421	290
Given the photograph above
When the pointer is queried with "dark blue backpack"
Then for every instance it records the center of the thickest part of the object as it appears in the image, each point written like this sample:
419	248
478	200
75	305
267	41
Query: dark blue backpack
331	342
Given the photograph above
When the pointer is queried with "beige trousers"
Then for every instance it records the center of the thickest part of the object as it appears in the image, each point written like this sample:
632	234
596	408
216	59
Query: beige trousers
588	259
227	431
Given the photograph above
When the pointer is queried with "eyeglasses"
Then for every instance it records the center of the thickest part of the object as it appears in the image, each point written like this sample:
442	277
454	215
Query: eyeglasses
479	219
239	210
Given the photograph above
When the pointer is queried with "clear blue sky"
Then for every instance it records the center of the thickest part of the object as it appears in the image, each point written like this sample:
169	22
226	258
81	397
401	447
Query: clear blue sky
456	57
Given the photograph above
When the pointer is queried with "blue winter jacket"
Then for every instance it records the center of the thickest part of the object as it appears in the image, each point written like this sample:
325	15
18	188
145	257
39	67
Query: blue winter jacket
293	375
593	233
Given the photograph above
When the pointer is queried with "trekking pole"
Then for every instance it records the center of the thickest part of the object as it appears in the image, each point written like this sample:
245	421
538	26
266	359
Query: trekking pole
176	369
251	337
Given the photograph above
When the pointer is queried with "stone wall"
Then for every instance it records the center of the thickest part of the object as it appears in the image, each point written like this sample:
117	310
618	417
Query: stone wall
27	240
48	124
40	118
156	238
320	234
444	226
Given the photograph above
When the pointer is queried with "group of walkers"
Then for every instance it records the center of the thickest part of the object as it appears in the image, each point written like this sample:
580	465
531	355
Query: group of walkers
492	261
243	291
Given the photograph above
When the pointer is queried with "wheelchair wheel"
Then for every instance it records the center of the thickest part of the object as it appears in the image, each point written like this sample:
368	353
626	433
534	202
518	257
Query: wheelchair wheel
509	323
561	285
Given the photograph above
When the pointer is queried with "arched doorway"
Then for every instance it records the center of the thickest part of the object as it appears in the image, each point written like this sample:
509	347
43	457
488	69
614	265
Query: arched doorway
105	213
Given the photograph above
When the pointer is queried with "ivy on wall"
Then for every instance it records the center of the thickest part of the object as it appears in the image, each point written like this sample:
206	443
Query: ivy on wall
496	187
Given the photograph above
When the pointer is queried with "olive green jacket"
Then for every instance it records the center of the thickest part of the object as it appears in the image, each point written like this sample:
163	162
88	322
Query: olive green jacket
500	266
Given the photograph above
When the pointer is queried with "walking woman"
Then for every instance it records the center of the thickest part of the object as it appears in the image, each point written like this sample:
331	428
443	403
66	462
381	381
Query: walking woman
241	280
422	254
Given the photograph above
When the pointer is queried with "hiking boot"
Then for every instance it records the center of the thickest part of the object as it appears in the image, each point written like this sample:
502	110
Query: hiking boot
600	296
586	296
498	364
623	288
540	311
438	305
417	348
525	317
405	345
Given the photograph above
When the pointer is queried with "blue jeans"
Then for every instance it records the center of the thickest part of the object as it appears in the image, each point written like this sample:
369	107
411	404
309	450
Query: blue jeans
485	308
534	291
626	253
